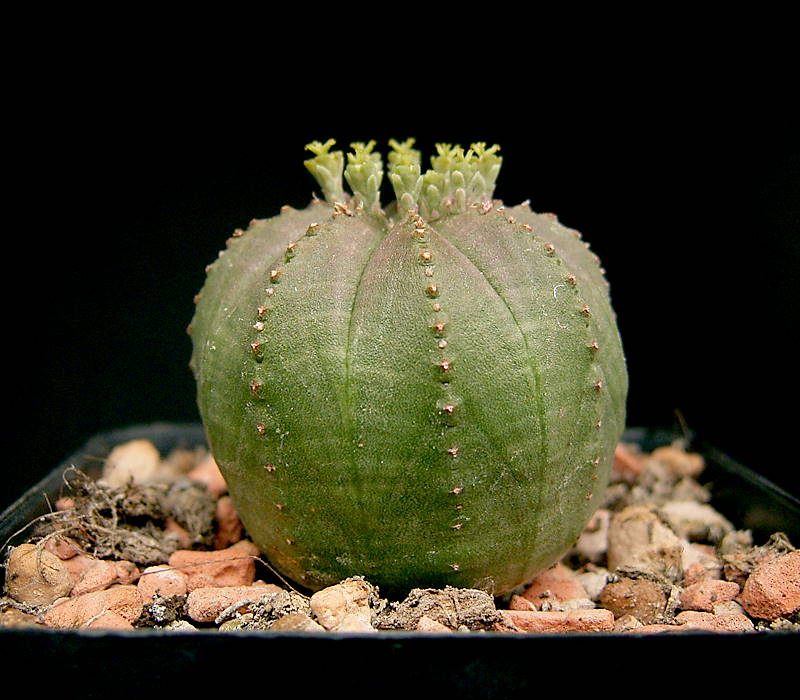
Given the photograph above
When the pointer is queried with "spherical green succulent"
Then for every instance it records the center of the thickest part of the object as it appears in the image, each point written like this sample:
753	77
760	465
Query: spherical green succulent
424	394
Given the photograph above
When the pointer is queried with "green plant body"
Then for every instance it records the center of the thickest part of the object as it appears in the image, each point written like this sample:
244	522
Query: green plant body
425	394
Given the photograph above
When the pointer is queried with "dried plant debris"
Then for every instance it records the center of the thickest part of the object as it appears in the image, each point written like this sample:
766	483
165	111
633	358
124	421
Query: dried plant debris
455	608
262	613
155	543
162	611
133	522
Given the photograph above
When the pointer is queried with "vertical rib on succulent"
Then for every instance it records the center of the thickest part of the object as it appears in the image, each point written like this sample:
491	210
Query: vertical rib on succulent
424	393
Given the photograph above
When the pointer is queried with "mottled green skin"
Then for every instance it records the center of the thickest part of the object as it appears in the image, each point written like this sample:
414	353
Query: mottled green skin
336	433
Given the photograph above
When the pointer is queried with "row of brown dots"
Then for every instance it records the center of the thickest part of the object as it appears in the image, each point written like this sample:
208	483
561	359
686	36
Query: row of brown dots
432	291
259	325
585	311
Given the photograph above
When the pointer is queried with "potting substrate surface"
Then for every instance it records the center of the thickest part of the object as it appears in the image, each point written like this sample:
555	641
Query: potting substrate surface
155	543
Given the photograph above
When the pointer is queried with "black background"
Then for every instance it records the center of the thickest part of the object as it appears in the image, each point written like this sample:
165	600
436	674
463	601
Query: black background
688	191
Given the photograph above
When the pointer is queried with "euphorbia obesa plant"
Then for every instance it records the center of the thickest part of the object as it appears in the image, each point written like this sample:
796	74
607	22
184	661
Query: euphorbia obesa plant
424	394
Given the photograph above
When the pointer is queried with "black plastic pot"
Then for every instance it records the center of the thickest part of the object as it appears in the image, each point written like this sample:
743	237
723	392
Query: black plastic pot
483	665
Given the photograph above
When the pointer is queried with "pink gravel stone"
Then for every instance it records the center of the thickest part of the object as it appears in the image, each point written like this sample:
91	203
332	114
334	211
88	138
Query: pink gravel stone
99	575
184	538
428	624
597	620
705	594
694	574
517	602
108	620
558	583
205	604
690	619
233	566
773	588
628	463
332	605
127	571
76	612
229	527
162	580
701	571
208	473
77	565
63	547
